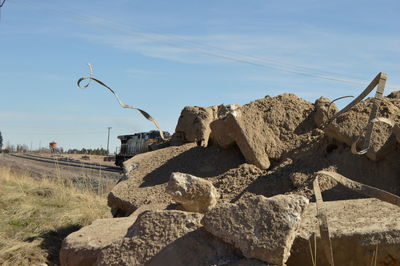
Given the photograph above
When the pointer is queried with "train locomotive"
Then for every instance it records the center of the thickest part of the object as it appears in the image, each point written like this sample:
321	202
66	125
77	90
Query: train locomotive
140	143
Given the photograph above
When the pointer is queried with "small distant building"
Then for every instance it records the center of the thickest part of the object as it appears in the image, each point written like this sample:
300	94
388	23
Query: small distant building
53	147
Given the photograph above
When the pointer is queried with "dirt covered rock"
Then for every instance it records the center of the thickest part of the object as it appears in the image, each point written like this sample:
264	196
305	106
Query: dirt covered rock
156	237
324	109
351	127
145	183
194	123
357	229
193	193
266	129
261	158
262	228
82	248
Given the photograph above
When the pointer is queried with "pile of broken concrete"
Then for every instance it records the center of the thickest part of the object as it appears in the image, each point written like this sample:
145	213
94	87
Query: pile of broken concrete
235	188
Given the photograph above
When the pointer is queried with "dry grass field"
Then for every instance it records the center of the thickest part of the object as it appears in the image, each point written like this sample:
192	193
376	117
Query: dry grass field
36	214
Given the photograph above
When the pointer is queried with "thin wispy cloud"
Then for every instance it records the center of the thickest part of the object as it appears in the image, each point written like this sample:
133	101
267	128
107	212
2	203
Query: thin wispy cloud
289	50
320	49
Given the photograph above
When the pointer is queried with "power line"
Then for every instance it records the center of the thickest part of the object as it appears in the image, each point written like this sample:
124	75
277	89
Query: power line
227	54
201	48
1	5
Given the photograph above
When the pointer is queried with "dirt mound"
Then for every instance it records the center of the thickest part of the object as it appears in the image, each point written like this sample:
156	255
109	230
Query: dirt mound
145	184
271	146
283	129
269	128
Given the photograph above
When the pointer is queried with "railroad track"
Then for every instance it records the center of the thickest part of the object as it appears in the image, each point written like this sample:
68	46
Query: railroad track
60	161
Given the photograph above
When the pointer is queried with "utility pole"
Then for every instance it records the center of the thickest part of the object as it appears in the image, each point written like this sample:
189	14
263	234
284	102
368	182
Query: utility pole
108	140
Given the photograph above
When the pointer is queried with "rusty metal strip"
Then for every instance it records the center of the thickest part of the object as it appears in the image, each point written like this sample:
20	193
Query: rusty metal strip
375	108
363	189
384	120
350	184
363	94
122	104
323	223
380	81
313	252
337	99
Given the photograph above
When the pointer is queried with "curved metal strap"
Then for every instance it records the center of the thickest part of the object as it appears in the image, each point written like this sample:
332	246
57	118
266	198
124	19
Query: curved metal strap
122	104
384	120
362	188
323	223
370	87
350	184
379	80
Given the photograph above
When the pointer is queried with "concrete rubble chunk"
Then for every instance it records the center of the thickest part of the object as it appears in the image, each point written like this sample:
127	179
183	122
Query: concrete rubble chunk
158	236
145	184
230	130
193	193
262	228
194	122
324	109
82	247
198	247
351	126
152	231
357	228
266	129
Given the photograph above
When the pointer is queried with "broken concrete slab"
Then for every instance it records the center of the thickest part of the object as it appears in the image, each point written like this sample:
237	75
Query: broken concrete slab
167	236
351	126
196	248
193	193
262	228
230	130
82	247
267	128
152	231
357	229
145	184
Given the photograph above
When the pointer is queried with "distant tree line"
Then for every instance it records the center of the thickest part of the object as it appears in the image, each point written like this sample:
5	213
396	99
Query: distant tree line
98	151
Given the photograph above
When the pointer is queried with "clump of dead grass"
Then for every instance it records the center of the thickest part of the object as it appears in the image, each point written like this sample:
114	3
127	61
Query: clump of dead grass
36	214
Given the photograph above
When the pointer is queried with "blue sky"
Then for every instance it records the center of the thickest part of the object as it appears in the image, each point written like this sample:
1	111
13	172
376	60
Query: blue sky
163	55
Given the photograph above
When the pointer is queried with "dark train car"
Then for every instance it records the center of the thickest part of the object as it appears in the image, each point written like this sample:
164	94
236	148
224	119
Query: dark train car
139	143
